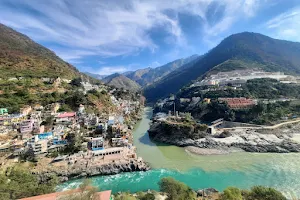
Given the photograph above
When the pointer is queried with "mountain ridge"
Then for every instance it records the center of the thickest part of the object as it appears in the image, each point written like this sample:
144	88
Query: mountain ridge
149	75
21	56
269	54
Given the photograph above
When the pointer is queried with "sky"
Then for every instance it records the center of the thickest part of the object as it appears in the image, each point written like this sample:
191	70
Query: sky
109	36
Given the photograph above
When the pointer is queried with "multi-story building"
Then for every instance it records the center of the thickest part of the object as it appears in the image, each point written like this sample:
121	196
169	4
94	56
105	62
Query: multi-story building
27	126
67	117
96	144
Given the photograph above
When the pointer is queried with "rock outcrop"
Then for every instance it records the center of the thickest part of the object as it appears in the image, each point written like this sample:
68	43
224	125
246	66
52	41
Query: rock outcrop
247	140
81	171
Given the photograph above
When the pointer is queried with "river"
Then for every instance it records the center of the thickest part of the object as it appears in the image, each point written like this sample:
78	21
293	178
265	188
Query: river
244	170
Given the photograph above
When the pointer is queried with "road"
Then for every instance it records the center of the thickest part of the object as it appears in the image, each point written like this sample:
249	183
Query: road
267	127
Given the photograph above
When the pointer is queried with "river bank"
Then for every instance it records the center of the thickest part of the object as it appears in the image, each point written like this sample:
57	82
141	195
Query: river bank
249	140
240	169
81	170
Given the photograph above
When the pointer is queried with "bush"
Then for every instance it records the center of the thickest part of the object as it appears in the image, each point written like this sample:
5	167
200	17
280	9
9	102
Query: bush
231	193
125	196
20	183
265	193
176	190
148	196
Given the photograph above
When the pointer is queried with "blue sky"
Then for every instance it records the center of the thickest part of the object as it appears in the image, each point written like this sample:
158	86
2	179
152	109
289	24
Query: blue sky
108	36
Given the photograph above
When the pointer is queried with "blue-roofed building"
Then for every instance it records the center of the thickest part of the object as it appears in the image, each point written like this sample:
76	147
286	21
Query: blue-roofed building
57	141
43	136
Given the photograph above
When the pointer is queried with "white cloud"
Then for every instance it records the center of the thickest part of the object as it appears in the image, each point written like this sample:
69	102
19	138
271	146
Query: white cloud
286	25
155	64
115	27
111	70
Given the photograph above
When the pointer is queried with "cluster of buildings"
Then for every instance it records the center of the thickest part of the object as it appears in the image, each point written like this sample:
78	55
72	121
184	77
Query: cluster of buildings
44	130
238	77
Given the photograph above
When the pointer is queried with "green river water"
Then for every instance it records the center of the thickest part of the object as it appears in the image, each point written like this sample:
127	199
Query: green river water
243	170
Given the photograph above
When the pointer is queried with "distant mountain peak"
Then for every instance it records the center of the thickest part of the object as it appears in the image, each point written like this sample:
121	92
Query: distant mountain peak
150	75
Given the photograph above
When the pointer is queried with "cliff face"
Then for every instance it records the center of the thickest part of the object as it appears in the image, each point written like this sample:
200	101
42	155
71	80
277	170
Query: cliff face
81	171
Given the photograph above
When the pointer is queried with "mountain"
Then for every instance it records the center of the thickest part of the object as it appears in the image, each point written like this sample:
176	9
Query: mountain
121	81
97	76
21	56
238	51
149	75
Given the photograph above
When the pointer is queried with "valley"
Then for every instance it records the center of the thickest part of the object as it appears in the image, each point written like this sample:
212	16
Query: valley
224	118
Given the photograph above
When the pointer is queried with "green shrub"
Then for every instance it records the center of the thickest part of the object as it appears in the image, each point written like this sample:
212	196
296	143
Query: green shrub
231	193
176	190
264	193
148	196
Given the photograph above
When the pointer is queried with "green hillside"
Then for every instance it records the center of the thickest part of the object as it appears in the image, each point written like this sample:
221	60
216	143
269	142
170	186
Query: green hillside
243	50
21	56
121	81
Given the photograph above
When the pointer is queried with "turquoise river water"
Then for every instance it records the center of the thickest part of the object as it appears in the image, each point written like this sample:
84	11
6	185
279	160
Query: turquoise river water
243	170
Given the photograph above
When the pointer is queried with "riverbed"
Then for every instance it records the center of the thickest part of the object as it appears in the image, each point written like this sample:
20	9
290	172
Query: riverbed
241	169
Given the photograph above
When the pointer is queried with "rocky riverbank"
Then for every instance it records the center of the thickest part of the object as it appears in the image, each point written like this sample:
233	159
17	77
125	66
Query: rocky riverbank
278	141
81	171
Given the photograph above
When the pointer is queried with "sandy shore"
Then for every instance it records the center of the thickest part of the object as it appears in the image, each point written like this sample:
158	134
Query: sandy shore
206	151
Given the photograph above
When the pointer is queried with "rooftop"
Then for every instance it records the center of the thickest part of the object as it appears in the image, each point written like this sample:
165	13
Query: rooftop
66	114
105	195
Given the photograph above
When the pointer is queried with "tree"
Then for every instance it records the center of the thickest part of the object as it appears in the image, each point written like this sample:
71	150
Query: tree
125	196
20	183
231	193
76	82
265	193
148	196
29	155
176	190
74	143
64	108
49	121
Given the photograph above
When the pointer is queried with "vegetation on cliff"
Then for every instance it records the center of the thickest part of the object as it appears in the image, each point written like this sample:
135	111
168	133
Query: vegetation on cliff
175	190
16	183
33	91
22	57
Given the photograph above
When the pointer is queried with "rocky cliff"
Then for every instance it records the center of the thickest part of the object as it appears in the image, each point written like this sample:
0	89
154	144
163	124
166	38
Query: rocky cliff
246	140
81	171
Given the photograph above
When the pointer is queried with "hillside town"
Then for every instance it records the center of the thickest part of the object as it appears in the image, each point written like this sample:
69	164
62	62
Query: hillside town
49	136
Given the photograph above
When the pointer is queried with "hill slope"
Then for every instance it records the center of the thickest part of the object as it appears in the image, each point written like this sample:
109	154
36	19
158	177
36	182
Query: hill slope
96	76
121	81
241	50
149	75
21	56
